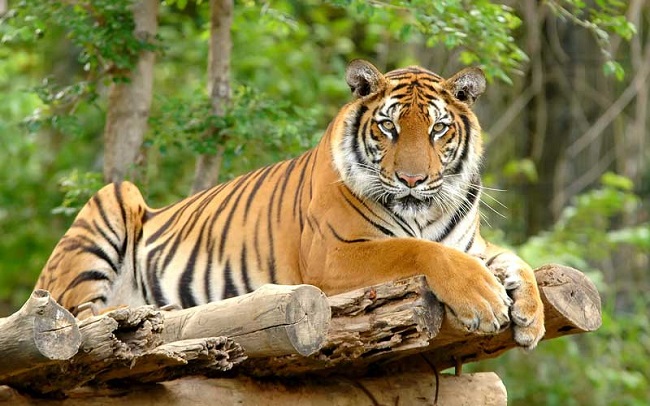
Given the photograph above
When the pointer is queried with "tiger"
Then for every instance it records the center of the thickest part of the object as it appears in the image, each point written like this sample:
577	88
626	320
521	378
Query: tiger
391	190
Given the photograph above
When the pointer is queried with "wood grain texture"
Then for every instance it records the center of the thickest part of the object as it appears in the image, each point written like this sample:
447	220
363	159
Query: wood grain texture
41	332
271	321
391	321
414	388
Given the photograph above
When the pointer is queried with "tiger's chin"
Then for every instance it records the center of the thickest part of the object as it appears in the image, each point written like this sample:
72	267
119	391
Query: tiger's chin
411	207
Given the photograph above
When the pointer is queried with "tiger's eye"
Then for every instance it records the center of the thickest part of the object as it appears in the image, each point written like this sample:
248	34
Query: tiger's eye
387	125
437	127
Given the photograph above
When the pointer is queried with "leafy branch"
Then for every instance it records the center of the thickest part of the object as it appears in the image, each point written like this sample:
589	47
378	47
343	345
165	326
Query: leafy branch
601	20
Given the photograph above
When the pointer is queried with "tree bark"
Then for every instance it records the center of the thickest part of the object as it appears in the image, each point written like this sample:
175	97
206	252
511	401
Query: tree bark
208	165
273	320
129	103
397	319
410	388
125	345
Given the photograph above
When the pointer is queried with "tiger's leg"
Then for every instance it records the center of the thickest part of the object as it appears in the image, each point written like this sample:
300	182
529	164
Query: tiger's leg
96	255
474	296
527	312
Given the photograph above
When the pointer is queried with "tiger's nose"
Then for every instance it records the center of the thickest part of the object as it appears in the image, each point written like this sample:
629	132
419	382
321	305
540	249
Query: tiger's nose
409	179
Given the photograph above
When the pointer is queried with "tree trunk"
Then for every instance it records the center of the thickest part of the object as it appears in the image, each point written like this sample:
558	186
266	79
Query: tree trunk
208	165
129	103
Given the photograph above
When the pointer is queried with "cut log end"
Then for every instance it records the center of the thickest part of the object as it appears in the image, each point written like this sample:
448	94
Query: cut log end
308	318
39	333
569	292
56	333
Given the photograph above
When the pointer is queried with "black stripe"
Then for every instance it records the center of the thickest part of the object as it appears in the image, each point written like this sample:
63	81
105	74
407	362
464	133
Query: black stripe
354	133
401	86
244	270
470	198
173	219
256	242
154	280
403	224
169	255
134	256
235	205
314	157
301	185
100	253
269	225
104	216
311	159
87	276
120	202
341	239
256	187
187	277
471	242
207	275
287	175
489	261
465	136
229	287
314	225
363	215
118	251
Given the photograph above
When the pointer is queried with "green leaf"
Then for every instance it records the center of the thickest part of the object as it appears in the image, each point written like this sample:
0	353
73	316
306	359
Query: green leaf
613	180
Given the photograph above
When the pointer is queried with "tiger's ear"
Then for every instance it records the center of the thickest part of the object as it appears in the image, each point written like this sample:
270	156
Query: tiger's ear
363	78
467	85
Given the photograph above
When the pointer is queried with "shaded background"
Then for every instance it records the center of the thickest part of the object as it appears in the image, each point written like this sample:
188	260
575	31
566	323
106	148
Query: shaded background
566	144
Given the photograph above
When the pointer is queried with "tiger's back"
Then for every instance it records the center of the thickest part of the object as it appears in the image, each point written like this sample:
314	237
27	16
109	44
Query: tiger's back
219	243
392	190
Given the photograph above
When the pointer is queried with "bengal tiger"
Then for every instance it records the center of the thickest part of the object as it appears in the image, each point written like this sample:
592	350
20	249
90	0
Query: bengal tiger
392	190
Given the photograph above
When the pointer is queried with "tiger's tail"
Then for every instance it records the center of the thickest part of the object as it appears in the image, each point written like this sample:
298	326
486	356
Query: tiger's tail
97	255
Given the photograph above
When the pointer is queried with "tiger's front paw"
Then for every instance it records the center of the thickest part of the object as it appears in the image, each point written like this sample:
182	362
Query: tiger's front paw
527	311
475	299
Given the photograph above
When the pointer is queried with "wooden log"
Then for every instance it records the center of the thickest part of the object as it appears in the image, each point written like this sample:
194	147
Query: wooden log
107	341
41	332
400	316
124	346
379	324
271	321
370	326
199	356
571	306
413	388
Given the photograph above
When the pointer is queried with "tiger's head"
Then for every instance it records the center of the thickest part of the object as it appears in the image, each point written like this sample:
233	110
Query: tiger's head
409	140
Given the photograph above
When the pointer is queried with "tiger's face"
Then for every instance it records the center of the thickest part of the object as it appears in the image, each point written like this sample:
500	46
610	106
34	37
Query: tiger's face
411	141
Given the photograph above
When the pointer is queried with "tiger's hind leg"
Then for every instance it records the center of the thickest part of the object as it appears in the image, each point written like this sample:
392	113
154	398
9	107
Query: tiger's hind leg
97	256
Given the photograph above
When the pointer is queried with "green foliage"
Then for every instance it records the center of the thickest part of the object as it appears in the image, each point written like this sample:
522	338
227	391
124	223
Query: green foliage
602	19
101	29
583	235
521	169
103	33
255	128
612	365
78	187
482	29
607	367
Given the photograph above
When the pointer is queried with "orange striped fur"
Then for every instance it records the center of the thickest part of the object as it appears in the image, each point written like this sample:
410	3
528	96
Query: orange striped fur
392	190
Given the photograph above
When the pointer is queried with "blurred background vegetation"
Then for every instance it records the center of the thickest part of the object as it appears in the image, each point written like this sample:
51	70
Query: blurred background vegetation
565	122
